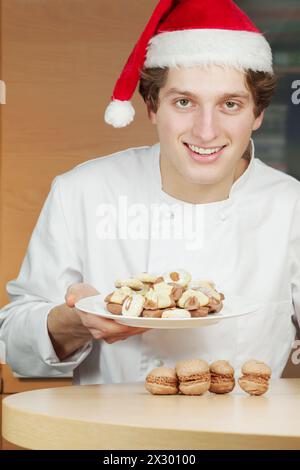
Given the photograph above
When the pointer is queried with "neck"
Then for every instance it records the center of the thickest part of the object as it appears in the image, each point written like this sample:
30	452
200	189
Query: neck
174	184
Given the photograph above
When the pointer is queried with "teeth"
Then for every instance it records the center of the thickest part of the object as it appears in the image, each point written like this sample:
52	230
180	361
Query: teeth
203	151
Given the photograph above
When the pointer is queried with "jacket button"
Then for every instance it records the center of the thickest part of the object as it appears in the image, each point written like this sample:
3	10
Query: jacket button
223	216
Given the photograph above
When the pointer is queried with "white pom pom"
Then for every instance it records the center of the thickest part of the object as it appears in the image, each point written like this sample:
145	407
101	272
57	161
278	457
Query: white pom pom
119	113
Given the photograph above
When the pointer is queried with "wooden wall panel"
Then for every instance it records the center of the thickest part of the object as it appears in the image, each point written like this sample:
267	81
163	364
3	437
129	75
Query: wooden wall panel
60	60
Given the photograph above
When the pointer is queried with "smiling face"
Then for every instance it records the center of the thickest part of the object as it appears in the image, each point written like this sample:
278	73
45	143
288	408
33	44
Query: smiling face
204	121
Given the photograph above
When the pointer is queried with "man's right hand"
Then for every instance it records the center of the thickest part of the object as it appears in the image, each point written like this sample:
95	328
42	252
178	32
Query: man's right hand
70	328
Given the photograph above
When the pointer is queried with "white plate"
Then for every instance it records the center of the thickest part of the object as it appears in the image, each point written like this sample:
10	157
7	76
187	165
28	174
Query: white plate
236	307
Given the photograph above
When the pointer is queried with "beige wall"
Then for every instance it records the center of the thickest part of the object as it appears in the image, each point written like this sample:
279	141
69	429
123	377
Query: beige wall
60	60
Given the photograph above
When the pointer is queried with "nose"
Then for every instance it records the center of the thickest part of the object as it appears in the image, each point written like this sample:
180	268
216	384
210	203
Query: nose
205	126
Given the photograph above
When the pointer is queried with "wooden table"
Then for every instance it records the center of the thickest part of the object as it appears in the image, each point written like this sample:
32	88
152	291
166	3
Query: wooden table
126	416
9	384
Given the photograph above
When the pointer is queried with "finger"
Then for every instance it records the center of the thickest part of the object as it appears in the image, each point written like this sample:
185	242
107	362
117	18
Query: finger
114	339
70	300
138	331
129	330
110	338
78	291
70	294
104	324
97	334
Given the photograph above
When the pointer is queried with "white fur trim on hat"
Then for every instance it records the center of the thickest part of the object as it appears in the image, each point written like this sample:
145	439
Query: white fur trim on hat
238	49
119	113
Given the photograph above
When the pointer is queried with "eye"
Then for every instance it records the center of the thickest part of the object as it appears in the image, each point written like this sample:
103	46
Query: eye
231	105
182	103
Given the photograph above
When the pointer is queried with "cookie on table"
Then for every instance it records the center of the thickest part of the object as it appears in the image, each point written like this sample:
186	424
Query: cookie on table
193	376
255	378
222	377
162	381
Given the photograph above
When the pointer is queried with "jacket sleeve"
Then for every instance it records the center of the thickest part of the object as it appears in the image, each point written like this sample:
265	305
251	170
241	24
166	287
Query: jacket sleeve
51	264
295	266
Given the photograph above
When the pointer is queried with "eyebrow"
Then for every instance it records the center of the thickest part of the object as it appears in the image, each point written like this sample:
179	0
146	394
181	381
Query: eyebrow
236	94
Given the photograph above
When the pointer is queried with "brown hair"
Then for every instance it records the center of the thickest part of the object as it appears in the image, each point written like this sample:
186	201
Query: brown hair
261	85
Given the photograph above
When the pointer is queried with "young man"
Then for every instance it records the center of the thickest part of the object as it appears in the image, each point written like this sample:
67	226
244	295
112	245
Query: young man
206	76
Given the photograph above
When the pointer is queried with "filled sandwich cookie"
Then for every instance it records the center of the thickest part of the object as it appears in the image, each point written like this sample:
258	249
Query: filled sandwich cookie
195	377
222	377
255	378
171	295
162	381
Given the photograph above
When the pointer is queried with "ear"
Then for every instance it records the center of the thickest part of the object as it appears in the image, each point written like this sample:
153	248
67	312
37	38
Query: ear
258	121
151	114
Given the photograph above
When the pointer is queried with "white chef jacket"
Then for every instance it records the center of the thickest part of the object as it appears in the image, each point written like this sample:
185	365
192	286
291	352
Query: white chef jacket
250	247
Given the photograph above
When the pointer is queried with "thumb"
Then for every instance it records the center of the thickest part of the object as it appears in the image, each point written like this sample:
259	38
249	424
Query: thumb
78	291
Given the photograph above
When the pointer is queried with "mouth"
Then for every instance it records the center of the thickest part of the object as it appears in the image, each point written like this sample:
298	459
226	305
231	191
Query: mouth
204	155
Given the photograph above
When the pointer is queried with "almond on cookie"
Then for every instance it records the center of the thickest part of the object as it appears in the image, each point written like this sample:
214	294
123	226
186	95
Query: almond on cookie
199	299
180	277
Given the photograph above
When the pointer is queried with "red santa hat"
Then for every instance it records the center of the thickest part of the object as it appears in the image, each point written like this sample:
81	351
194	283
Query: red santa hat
188	33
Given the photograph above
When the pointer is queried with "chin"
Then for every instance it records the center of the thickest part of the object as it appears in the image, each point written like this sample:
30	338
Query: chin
200	179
